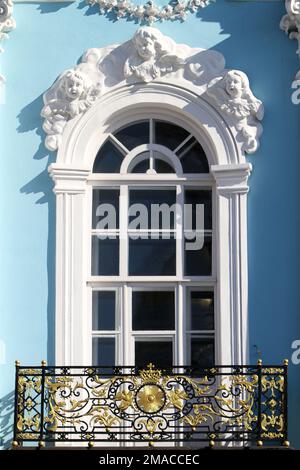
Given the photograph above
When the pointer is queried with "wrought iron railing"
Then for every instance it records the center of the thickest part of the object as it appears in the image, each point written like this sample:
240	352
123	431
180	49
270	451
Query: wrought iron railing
230	404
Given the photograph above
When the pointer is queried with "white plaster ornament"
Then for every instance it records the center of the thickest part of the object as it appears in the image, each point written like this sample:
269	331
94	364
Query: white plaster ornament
7	23
149	12
290	23
150	56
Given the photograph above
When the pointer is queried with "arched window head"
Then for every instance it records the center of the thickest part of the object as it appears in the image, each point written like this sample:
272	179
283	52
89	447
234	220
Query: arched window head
151	146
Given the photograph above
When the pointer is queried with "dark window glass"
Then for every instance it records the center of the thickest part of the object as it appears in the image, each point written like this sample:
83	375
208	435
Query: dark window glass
158	353
162	167
103	352
202	352
152	257
202	310
169	135
141	167
105	196
105	256
193	159
148	198
153	310
134	135
104	309
108	159
198	262
194	197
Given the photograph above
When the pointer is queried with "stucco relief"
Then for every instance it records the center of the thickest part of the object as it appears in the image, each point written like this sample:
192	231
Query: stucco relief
151	56
234	98
290	23
7	22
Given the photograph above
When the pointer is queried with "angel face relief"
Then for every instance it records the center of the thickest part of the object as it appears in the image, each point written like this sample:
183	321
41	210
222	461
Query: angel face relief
146	43
151	56
234	97
72	94
234	84
74	85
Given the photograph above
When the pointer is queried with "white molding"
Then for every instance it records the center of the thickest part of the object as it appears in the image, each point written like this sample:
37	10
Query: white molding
151	57
178	100
232	266
7	24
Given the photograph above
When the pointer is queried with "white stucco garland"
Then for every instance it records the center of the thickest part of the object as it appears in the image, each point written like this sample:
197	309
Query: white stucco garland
7	23
152	57
149	12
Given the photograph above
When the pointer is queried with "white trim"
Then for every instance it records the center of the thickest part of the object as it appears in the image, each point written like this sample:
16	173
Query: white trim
71	173
202	72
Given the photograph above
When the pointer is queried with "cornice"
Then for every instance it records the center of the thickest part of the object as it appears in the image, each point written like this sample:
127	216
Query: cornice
152	57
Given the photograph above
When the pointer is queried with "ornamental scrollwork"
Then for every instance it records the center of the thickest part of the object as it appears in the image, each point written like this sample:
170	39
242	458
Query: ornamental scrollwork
7	22
151	56
149	405
290	23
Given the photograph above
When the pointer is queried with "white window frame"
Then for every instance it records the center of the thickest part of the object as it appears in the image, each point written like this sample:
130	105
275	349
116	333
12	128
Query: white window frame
81	140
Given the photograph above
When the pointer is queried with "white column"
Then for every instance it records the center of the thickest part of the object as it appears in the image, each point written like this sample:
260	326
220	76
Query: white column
231	256
71	265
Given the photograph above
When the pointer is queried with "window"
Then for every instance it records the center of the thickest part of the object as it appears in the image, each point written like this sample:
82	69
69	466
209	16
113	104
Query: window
152	244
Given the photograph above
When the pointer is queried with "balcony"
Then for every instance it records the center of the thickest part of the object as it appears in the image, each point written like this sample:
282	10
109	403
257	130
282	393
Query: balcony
221	405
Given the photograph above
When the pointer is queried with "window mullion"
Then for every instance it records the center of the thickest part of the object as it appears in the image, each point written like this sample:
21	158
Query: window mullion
123	230
179	232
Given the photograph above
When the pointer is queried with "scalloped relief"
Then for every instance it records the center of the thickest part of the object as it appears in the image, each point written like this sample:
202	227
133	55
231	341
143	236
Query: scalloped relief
150	56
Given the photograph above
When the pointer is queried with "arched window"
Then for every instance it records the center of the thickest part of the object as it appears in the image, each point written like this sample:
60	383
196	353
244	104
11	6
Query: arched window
152	273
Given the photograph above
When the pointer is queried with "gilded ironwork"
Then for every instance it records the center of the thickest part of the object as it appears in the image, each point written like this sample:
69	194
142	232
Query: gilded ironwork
114	404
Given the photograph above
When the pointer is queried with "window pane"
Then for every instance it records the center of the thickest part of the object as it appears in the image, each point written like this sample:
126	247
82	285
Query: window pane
153	310
141	167
169	135
198	262
194	197
134	135
201	310
193	159
108	159
202	352
104	310
106	196
158	353
152	257
105	256
162	167
103	352
147	197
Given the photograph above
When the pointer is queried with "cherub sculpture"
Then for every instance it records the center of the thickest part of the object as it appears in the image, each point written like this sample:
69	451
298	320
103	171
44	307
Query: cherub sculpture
152	55
72	94
233	95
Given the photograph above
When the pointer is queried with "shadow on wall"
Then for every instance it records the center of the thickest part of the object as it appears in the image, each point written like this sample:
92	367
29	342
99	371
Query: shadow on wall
30	120
6	420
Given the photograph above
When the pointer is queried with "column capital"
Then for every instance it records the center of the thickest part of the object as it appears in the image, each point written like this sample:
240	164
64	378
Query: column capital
68	179
232	179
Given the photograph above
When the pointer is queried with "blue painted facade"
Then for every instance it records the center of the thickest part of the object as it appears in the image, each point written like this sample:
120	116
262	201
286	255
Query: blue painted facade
50	38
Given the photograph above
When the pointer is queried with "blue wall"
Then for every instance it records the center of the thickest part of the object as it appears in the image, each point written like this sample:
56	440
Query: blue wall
50	38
